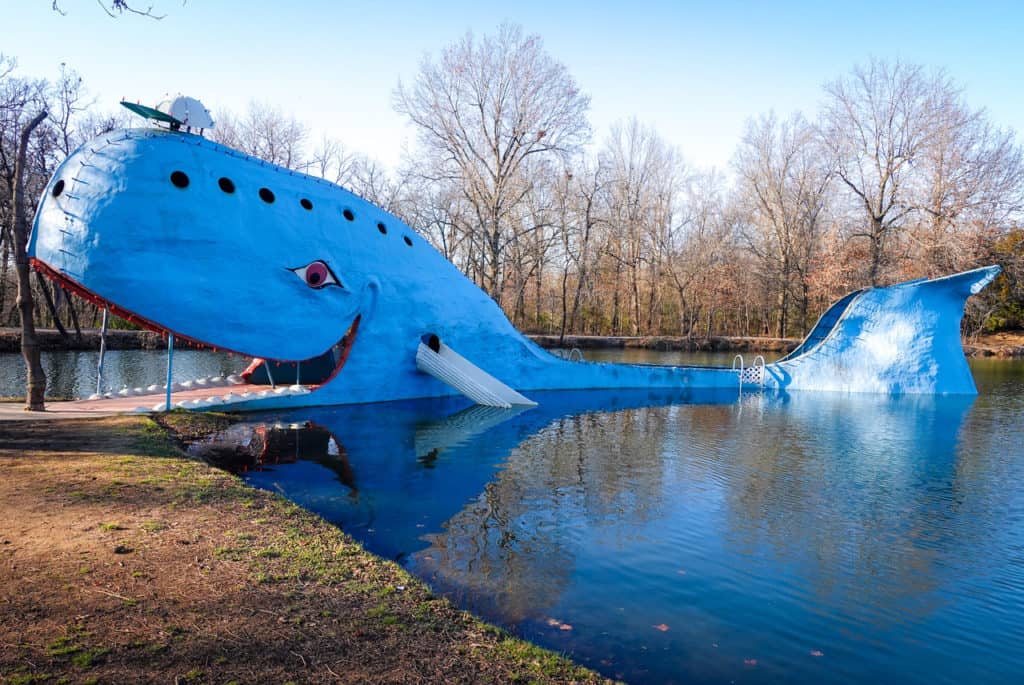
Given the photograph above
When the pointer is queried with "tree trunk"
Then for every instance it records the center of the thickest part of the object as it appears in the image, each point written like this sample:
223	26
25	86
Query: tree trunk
565	303
783	311
35	390
877	234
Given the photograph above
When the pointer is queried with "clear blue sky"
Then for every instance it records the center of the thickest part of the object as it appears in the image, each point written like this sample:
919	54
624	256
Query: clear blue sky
694	71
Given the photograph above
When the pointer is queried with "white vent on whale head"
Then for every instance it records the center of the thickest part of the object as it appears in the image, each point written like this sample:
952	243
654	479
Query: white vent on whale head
189	111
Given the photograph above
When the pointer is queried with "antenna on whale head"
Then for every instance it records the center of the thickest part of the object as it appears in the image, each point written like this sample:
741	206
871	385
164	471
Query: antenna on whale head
175	111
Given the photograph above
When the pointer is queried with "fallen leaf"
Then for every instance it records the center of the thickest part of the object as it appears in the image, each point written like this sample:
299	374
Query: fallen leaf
554	622
565	626
815	652
750	662
662	627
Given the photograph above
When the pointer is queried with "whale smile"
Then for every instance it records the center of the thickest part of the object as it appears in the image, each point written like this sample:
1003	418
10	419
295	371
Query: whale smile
330	362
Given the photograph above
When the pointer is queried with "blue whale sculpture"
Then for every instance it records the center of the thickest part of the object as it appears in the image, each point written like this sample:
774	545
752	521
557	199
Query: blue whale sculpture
186	236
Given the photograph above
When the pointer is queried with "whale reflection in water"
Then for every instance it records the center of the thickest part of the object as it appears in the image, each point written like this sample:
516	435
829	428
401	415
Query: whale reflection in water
610	512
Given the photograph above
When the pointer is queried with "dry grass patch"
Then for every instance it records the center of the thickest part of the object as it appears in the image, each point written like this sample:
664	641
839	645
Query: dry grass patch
122	560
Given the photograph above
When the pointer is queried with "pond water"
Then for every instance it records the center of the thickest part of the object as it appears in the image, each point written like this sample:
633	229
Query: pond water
702	537
73	374
695	537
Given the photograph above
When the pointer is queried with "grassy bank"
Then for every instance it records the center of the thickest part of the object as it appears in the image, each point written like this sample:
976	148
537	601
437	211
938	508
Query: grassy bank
123	560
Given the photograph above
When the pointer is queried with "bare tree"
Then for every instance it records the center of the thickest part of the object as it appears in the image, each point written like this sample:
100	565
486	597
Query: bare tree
578	210
782	185
20	100
482	111
115	8
643	172
698	265
36	388
971	183
266	132
876	122
333	162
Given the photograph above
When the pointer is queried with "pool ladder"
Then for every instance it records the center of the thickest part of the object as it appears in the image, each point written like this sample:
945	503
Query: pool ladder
749	375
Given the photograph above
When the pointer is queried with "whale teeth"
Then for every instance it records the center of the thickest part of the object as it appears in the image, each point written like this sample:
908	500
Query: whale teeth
138	391
140	410
95	396
154	388
187	384
218	380
201	382
124	392
160	407
235	379
232	397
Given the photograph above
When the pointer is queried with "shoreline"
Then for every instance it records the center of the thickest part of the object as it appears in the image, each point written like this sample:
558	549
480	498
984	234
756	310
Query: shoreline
1005	344
123	559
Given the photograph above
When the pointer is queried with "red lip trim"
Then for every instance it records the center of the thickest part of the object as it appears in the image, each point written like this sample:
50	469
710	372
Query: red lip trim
81	291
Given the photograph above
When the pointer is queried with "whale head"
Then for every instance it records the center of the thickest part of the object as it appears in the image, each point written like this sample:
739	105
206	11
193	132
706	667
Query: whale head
185	236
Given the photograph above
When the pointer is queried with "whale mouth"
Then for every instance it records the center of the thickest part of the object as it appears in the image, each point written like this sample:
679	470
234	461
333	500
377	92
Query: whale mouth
263	371
316	371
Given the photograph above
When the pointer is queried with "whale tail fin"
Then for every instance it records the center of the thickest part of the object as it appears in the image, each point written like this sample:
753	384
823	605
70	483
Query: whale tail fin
903	338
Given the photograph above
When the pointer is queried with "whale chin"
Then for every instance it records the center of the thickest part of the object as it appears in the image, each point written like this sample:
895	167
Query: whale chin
314	371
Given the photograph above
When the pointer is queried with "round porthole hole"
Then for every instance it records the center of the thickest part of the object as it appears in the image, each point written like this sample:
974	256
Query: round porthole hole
267	195
179	179
58	188
226	184
382	228
306	204
407	240
349	215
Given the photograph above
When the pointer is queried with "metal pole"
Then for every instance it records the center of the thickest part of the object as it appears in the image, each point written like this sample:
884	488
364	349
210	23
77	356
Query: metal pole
103	350
298	367
170	362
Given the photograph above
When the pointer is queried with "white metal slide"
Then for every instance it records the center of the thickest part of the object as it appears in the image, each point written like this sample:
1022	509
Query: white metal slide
451	368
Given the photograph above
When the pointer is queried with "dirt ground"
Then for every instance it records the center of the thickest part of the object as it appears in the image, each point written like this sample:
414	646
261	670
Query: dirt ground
123	561
1003	344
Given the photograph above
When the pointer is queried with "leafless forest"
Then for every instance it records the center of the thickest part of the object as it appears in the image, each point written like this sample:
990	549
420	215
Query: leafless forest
612	232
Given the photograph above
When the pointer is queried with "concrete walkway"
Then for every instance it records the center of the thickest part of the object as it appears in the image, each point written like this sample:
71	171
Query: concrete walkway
81	409
15	411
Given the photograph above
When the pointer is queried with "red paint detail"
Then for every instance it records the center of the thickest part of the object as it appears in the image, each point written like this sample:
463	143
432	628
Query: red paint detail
249	370
346	348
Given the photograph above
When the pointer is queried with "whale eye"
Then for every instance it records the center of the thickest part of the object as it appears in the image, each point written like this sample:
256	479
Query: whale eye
316	275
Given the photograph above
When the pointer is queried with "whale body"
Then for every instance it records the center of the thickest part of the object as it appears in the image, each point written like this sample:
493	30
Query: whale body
187	236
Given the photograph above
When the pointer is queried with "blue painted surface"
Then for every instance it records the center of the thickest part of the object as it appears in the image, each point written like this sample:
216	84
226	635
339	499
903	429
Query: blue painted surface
227	269
882	533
